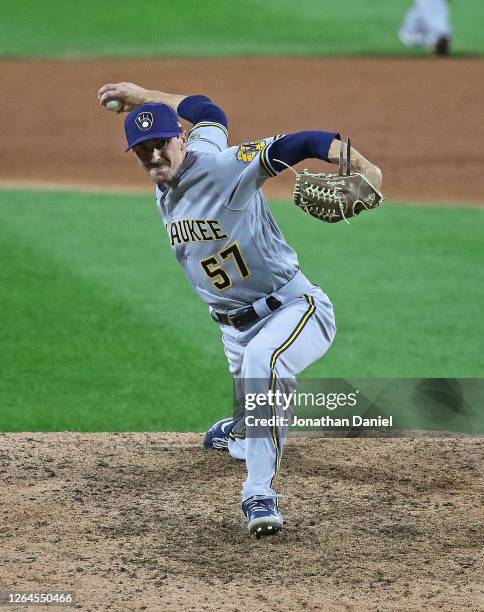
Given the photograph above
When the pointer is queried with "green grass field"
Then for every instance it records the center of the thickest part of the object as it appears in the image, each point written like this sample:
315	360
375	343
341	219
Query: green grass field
101	330
118	28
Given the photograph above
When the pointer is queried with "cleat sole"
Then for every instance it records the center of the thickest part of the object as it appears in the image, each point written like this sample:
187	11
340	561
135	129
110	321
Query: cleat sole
265	526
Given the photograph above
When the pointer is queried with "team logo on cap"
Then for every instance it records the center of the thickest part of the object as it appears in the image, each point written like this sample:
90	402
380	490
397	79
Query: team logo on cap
144	121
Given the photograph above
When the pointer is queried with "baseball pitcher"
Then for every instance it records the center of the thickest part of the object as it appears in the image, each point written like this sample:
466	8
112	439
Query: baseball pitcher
274	321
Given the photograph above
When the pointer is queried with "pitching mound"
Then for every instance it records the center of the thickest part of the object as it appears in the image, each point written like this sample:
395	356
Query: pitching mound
153	521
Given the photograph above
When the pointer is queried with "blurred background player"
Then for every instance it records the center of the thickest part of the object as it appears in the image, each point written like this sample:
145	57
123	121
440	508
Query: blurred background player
427	24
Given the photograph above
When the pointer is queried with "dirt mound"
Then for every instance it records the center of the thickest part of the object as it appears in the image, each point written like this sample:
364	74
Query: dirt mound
153	521
420	120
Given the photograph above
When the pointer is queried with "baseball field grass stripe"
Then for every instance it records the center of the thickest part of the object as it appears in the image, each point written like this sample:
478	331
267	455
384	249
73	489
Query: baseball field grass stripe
101	320
273	27
277	353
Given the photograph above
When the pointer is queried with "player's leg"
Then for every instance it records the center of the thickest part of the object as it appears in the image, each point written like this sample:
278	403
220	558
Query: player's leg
426	23
412	33
293	338
435	16
218	436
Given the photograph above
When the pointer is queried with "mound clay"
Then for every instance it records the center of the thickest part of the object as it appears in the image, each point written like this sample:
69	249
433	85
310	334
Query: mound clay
153	522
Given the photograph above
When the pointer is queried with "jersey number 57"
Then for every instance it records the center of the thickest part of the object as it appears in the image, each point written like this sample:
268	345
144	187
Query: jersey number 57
216	272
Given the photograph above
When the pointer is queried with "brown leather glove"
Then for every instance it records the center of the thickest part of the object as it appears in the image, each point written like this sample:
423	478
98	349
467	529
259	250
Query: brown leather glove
334	197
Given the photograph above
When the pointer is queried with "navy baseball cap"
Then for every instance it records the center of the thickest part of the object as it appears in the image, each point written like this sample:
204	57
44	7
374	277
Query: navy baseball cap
150	121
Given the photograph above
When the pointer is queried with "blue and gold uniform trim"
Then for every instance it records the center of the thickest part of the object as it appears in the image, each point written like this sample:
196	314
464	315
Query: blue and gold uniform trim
275	355
202	124
264	157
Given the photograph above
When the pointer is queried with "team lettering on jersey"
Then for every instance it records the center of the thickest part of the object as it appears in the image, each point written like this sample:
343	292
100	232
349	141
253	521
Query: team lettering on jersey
194	230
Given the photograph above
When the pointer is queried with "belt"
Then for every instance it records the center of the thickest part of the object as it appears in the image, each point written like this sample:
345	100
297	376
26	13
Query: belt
244	316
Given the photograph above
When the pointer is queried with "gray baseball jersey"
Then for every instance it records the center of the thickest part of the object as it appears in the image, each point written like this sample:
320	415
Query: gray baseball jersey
219	224
222	232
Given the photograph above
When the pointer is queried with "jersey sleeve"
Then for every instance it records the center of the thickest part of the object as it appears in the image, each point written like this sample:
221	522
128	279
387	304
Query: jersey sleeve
241	170
207	137
294	148
209	133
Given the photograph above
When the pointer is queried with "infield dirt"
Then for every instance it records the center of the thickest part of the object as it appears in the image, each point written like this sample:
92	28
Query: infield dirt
153	522
419	119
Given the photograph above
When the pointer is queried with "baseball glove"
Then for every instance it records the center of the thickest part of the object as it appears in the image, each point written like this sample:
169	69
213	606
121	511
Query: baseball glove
335	197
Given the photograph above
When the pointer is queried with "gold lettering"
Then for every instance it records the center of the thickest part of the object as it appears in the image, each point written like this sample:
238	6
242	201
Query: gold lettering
194	236
203	230
215	227
183	231
174	234
195	230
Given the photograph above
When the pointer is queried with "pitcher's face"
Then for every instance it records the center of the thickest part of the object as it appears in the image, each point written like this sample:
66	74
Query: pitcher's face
161	158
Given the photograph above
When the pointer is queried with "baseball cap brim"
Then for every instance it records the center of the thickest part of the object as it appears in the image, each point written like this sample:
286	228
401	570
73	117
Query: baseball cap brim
153	136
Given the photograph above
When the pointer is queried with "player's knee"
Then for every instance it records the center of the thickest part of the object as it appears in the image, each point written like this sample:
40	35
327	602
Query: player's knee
256	363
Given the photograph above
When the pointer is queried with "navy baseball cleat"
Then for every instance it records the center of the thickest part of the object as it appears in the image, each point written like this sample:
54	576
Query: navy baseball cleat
218	435
264	518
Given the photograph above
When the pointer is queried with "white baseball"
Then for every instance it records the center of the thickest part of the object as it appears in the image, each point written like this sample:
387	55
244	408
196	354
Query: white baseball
114	105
